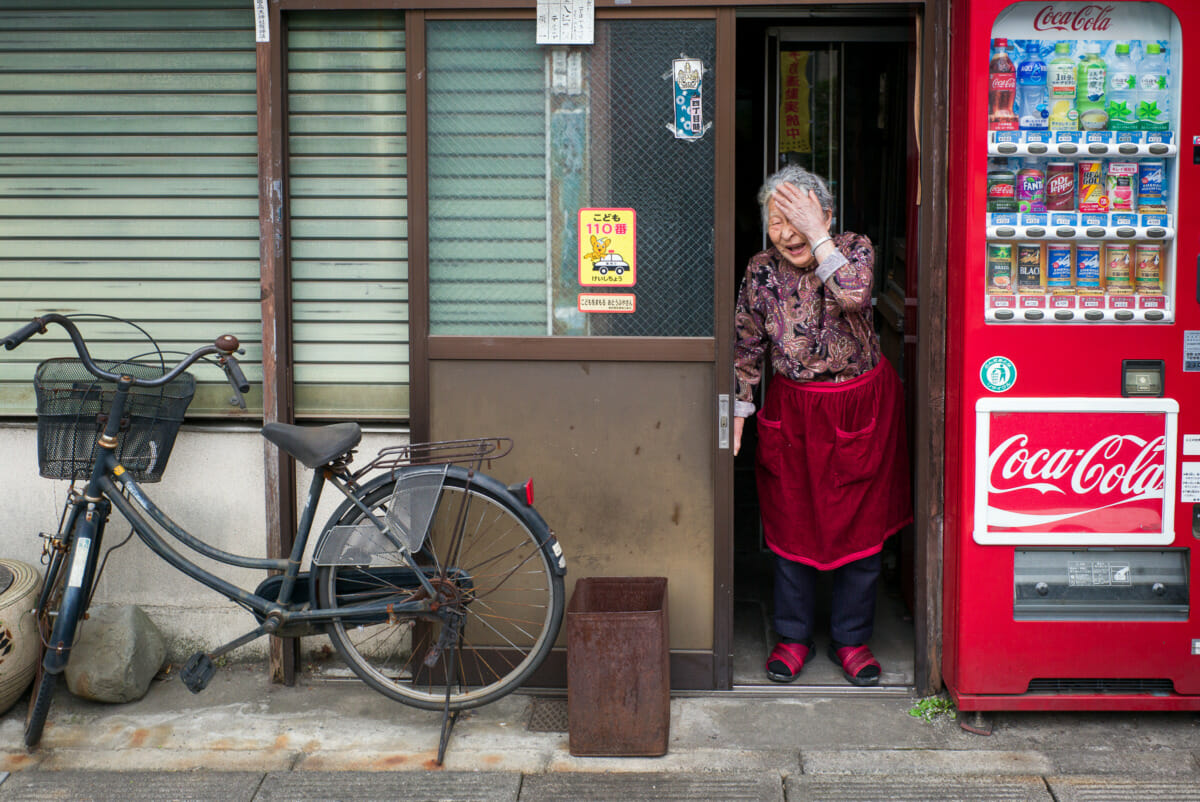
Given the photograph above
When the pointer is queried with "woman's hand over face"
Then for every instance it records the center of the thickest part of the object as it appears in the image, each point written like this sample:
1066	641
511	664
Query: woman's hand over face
803	211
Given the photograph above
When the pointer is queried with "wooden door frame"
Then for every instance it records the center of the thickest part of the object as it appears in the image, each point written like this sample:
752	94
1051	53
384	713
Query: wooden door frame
929	448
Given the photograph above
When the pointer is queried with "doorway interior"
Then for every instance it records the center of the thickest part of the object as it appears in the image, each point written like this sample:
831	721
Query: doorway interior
834	94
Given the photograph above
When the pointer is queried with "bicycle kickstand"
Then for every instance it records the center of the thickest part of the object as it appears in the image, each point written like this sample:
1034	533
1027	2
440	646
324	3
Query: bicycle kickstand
448	719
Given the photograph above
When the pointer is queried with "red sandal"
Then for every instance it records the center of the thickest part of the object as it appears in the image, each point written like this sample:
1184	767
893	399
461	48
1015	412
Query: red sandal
859	666
792	656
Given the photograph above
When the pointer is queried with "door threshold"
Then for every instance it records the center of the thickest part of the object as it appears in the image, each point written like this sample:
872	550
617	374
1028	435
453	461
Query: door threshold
768	691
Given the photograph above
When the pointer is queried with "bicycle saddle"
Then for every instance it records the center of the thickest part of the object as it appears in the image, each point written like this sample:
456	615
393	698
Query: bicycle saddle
314	445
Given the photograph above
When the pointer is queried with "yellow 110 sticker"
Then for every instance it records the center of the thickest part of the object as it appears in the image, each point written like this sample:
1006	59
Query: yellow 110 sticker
607	247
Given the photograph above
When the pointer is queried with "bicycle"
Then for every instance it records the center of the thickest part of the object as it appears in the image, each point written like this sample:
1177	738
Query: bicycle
439	586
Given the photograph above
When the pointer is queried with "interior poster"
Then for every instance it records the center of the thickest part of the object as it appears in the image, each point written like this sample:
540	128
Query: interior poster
794	127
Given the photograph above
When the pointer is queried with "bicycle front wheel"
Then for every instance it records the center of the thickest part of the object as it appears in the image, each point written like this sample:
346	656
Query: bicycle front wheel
490	559
49	603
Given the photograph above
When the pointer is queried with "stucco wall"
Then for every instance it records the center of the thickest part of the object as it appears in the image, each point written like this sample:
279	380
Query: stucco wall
213	487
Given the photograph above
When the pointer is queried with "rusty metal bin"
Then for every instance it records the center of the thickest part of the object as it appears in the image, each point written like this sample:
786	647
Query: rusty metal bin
618	667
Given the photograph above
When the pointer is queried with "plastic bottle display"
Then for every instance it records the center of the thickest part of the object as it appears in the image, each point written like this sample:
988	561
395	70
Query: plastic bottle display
1060	86
1031	90
1090	80
1002	89
1121	93
1108	183
1153	99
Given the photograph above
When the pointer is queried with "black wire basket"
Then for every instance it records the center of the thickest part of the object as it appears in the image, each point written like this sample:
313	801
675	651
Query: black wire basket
72	408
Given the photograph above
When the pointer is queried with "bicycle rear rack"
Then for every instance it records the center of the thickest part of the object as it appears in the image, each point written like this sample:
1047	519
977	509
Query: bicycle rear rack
474	452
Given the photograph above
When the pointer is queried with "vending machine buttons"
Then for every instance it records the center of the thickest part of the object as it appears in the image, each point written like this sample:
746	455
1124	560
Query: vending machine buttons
1098	149
1156	232
1127	148
1038	149
1124	314
1095	232
1064	314
1034	314
1006	148
1154	314
1126	231
1093	314
1035	231
1064	233
1159	149
1067	148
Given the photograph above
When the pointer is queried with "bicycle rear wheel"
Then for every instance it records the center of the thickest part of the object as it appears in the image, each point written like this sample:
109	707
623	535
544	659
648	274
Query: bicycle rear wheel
491	560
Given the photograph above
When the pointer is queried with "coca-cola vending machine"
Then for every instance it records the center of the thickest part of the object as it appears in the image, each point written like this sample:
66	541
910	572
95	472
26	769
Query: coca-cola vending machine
1072	546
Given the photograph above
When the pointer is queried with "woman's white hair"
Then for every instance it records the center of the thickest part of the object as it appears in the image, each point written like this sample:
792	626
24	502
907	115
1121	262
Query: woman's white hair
799	177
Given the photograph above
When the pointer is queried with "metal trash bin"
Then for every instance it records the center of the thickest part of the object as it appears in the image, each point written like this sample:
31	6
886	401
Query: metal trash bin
618	667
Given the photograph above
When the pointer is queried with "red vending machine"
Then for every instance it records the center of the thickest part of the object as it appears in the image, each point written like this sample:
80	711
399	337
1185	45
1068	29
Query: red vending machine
1072	550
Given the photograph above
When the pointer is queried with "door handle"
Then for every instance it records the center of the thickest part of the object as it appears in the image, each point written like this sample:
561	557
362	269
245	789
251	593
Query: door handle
723	420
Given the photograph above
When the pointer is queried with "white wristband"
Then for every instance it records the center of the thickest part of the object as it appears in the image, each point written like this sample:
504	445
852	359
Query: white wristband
819	243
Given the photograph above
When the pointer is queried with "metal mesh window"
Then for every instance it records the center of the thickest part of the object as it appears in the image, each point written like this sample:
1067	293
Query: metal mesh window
522	137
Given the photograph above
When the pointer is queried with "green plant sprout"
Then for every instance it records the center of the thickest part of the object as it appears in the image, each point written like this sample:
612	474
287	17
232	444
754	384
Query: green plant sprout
932	707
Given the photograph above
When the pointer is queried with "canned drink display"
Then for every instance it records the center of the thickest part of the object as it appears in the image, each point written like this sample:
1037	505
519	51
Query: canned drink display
1060	186
1147	268
1058	266
1092	194
1087	267
1029	267
999	267
1152	186
1031	189
1118	267
1001	190
1121	180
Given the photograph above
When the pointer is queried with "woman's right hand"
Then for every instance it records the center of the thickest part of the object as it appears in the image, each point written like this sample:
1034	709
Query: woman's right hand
738	425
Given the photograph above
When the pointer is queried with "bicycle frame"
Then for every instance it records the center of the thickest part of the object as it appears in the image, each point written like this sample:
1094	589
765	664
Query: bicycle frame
110	484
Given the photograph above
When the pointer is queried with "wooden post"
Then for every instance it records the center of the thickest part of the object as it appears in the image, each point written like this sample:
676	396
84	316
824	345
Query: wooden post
278	406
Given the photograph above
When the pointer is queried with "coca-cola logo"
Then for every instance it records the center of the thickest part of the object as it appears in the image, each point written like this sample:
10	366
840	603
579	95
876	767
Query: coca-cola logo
1123	464
1086	18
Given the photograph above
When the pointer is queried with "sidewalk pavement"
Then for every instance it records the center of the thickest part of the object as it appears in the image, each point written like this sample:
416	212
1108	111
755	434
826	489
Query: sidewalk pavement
244	738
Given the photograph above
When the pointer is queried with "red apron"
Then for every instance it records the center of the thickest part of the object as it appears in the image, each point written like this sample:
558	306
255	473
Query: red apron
833	477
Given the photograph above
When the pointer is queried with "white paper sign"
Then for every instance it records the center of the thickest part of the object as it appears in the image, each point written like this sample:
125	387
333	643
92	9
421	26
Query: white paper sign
1191	351
1189	483
566	22
262	32
1191	445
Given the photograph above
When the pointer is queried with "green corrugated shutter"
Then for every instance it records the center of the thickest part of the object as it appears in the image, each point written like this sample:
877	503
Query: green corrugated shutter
128	179
487	179
348	201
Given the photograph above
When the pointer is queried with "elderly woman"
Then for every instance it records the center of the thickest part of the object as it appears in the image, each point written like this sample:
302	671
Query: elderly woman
832	466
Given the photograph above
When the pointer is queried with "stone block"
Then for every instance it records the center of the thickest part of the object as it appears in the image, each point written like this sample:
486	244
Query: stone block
117	655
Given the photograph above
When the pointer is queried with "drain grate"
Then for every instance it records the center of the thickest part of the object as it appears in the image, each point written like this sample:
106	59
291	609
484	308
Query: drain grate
547	715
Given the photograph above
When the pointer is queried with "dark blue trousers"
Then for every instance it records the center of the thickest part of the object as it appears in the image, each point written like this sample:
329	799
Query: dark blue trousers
852	606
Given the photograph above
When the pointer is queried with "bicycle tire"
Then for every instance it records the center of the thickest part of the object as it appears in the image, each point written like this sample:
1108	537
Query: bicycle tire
49	598
513	598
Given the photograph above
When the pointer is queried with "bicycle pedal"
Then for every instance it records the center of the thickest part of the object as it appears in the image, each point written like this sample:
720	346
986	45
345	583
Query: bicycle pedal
197	672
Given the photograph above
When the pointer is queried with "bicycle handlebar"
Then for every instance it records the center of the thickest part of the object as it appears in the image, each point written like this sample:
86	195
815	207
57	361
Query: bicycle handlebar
224	346
22	334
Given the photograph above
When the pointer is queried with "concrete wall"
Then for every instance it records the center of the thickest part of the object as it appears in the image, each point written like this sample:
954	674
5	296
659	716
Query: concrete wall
224	505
